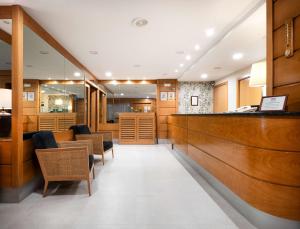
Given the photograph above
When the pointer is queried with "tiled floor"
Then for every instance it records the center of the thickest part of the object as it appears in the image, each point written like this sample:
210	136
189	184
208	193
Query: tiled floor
144	187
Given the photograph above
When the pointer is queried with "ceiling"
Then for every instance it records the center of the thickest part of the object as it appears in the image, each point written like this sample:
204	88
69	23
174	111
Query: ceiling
155	50
140	91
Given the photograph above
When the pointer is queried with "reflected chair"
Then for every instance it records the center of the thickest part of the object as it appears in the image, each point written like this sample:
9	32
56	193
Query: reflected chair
102	140
64	161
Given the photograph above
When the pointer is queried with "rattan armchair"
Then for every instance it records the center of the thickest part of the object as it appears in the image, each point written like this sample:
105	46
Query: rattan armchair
69	162
102	140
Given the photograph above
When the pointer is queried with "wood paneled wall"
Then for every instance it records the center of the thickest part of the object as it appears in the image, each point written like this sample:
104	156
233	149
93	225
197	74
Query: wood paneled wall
283	73
246	95
165	108
221	97
253	156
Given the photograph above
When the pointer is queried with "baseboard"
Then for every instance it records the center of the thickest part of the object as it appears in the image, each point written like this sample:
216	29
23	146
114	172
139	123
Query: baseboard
15	195
256	217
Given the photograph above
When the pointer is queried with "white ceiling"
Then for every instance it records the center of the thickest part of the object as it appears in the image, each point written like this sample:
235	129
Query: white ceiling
174	25
140	91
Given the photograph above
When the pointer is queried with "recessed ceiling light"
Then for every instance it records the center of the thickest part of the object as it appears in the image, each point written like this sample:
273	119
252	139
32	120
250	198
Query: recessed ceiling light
197	47
44	52
77	74
139	22
181	65
93	52
108	74
210	32
176	70
204	76
188	57
122	94
237	56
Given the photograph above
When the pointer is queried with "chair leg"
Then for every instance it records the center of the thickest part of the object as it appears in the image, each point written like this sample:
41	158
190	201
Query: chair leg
93	172
89	186
103	158
112	152
45	188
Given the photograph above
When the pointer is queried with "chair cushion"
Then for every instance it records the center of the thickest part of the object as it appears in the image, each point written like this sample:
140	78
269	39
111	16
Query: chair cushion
91	161
44	140
80	129
107	145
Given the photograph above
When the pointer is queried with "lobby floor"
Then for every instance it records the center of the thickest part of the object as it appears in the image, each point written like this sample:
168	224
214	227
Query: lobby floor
144	187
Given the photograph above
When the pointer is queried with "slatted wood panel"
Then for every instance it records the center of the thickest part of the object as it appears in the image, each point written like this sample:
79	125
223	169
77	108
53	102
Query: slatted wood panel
56	123
137	128
47	123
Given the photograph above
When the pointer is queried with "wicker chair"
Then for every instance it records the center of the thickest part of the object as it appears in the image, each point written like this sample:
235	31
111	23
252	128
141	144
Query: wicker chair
102	140
65	161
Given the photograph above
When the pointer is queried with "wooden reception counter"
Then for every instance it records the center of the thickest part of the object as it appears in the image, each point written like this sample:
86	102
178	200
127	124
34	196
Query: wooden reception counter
256	155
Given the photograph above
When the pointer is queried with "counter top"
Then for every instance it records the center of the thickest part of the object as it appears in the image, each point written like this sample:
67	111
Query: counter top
272	113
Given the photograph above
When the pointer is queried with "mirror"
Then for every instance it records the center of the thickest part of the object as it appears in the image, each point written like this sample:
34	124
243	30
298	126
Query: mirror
54	88
129	98
5	77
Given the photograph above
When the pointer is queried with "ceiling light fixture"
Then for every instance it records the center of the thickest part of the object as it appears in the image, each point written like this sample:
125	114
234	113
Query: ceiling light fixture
175	70
197	47
122	94
210	32
77	74
237	56
147	97
181	65
204	76
108	74
139	22
93	52
188	57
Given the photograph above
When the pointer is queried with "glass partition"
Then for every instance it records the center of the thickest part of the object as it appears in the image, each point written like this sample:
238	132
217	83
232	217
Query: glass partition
54	88
129	98
5	77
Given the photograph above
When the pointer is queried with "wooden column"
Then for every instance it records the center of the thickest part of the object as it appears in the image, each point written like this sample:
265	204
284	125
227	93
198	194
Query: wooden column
269	83
17	99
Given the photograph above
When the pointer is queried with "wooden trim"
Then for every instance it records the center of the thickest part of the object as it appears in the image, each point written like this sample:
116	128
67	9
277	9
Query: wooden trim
269	58
17	100
128	81
4	36
5	12
238	93
40	31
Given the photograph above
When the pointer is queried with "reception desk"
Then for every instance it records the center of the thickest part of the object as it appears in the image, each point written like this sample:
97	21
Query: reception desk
255	155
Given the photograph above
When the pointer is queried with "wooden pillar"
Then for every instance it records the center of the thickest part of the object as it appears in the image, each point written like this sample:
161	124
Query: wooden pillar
17	99
269	83
104	107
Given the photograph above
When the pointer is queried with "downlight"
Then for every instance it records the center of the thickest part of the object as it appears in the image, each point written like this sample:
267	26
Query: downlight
139	22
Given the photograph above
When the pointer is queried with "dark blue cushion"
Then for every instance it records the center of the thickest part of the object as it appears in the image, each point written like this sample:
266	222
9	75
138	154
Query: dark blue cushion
80	129
44	140
107	145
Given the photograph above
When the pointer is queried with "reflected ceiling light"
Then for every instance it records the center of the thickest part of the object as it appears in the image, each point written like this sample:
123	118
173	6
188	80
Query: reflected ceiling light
114	82
77	74
197	47
204	76
188	57
58	102
42	91
209	32
93	52
181	65
147	97
108	74
176	70
122	94
237	56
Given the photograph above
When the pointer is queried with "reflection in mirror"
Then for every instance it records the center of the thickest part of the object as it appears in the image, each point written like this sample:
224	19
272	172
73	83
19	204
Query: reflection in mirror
5	78
53	87
129	98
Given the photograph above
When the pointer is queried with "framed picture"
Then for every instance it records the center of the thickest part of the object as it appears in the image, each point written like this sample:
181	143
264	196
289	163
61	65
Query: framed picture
171	95
30	96
273	103
194	100
25	96
163	96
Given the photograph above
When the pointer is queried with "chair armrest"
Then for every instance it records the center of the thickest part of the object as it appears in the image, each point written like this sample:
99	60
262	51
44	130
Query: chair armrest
79	143
107	135
97	140
64	163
